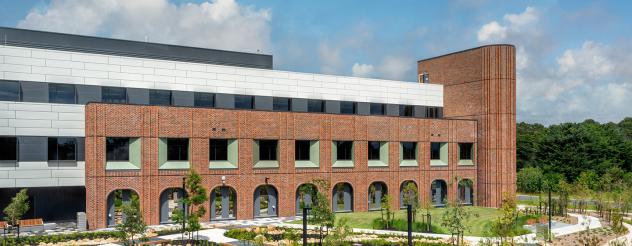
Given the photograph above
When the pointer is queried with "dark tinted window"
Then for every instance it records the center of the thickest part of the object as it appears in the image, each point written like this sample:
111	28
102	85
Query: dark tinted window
344	150
117	149
465	151
406	110
434	112
201	99
376	108
301	150
268	150
159	97
243	102
114	94
347	107
177	149
9	148
281	104
374	150
218	149
62	149
435	151
409	150
9	91
60	93
315	106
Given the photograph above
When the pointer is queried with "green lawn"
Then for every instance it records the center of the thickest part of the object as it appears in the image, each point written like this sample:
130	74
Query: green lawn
478	224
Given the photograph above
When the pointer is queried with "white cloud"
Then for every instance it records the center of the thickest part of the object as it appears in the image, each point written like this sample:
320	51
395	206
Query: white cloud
220	24
529	16
492	31
396	67
330	59
362	70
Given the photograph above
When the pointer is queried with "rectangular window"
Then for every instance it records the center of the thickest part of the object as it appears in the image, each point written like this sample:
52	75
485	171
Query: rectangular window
465	151
268	150
376	109
406	110
9	91
62	149
435	151
61	93
374	150
177	149
159	97
344	150
409	150
206	100
243	102
434	112
301	150
347	107
218	150
117	149
281	104
114	94
9	147
315	106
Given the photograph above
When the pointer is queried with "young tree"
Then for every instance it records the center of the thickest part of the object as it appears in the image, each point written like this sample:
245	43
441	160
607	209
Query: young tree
17	208
321	214
411	197
132	222
196	196
455	219
388	211
503	227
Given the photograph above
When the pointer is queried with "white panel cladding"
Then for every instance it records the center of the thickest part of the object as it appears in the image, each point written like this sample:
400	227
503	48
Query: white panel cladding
42	119
42	174
80	68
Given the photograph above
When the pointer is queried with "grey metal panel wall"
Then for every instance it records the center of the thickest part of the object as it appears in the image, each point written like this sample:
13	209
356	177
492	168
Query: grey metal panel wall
137	96
263	103
332	107
88	93
224	101
299	105
182	98
420	112
363	108
32	148
392	109
34	92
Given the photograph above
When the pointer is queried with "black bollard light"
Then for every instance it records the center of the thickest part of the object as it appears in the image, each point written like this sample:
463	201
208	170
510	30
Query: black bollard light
305	209
409	212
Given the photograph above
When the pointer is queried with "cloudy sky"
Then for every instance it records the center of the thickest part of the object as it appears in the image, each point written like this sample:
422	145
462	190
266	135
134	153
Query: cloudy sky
574	57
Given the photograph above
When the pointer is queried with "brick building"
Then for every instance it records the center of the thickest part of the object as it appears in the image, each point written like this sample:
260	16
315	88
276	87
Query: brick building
92	120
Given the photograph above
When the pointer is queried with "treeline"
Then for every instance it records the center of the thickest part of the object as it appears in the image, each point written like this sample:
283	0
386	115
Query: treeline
593	155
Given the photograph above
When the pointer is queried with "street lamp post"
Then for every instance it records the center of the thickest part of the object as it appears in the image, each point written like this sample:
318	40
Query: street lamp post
305	209
409	213
184	210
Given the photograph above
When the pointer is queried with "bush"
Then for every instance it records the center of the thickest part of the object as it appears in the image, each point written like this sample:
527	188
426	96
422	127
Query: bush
34	240
529	180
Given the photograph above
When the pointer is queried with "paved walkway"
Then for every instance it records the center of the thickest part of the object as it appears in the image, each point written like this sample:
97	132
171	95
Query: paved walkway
623	240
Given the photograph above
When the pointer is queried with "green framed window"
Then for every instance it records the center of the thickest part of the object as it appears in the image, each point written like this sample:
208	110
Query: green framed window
408	154
266	153
438	154
306	154
377	154
223	153
122	153
342	154
173	153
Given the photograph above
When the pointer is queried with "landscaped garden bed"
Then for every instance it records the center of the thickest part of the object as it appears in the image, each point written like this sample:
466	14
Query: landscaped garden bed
77	238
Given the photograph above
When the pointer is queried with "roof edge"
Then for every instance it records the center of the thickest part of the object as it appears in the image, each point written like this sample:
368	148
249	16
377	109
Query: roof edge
466	50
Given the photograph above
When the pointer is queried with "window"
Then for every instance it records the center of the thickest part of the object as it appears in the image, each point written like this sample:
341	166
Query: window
344	150
465	151
435	151
301	150
434	112
9	91
243	102
218	150
62	149
374	150
376	109
60	93
117	149
281	104
406	110
177	149
9	147
159	97
315	106
201	99
347	107
114	94
409	150
268	150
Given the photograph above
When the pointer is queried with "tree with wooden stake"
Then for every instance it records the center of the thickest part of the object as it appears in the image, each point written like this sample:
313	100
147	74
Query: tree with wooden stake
132	220
16	209
193	204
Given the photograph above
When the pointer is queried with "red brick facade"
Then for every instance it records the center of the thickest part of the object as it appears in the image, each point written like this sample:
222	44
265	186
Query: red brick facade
199	124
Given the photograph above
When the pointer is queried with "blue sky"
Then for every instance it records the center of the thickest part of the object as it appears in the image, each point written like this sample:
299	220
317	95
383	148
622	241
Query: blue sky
574	57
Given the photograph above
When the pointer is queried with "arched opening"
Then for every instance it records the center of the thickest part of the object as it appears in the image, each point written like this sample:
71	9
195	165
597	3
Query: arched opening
116	199
265	201
466	192
377	190
342	198
408	194
170	200
439	192
223	203
305	195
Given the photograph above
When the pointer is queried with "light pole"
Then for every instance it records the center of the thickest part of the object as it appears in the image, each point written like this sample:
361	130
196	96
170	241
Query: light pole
409	213
305	209
184	209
